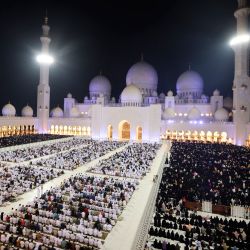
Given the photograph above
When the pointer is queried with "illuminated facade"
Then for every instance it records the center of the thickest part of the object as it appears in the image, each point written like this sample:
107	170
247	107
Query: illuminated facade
141	113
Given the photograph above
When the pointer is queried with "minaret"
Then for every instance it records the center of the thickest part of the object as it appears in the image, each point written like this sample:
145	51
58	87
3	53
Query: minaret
241	83
43	89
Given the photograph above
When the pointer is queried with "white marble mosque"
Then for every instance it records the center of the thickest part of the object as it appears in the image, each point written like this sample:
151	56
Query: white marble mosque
141	113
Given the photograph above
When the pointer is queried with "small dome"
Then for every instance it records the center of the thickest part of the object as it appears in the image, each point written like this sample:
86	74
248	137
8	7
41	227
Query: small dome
143	75
221	115
131	94
113	99
57	112
8	110
168	114
27	111
69	95
74	112
228	103
189	81
100	85
194	114
203	97
170	93
216	92
162	95
154	94
86	98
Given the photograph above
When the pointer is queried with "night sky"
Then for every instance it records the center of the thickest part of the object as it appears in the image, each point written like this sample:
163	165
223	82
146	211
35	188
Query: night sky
89	36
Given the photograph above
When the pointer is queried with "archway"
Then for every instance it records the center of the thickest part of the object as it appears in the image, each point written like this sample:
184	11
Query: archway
124	130
202	136
224	137
139	133
180	135
88	131
216	137
209	136
110	132
65	130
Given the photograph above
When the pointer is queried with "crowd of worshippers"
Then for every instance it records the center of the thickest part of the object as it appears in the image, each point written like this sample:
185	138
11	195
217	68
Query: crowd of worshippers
24	139
76	215
134	161
16	180
213	172
36	151
74	158
174	227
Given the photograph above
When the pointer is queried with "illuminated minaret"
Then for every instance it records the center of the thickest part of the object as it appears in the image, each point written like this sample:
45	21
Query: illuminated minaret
241	83
43	89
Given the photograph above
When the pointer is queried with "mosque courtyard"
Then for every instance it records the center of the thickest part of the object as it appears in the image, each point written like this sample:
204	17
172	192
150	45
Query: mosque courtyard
89	156
78	193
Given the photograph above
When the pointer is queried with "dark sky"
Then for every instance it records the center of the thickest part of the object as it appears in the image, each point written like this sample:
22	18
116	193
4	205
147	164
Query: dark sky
110	35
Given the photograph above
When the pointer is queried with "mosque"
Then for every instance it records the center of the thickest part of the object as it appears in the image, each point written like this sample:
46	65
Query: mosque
141	113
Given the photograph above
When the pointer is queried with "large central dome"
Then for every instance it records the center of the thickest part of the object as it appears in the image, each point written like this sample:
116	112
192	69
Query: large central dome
144	76
99	85
189	82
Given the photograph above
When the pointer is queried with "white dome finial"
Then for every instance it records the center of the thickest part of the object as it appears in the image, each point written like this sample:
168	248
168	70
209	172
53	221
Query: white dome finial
142	57
189	66
45	26
46	19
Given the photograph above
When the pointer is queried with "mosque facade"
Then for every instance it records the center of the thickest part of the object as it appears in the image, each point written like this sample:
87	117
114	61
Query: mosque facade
141	113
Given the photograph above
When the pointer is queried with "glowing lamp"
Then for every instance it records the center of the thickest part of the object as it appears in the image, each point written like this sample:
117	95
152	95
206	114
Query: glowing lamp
244	38
45	59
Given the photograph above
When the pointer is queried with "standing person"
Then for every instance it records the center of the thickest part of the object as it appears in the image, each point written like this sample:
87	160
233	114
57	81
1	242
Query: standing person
38	192
42	189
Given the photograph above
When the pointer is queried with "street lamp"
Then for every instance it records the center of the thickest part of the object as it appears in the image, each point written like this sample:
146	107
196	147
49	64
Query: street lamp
239	39
45	59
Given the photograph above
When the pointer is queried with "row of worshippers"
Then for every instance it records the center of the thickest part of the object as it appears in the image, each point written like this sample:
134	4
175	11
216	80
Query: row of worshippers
84	207
74	158
32	152
16	180
133	162
173	222
159	244
214	172
40	241
25	139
